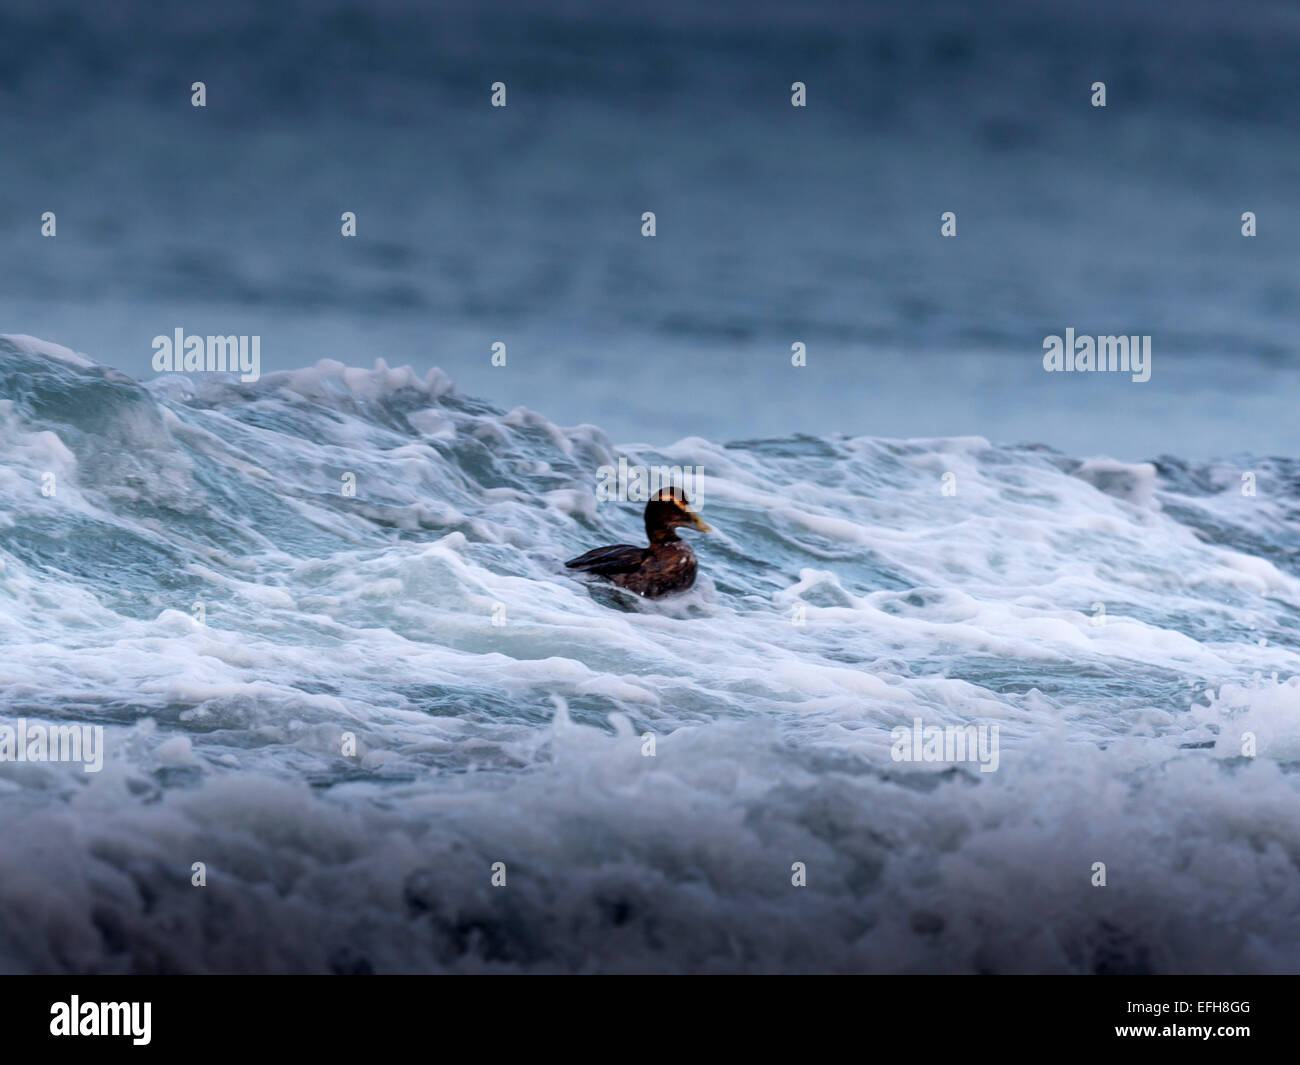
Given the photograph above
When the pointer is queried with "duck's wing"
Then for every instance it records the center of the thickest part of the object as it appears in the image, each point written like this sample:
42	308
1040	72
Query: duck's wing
604	561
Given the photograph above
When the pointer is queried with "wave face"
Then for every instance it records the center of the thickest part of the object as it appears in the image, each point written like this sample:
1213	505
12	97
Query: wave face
522	741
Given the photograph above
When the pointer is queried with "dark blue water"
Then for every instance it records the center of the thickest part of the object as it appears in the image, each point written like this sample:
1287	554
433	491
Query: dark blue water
776	225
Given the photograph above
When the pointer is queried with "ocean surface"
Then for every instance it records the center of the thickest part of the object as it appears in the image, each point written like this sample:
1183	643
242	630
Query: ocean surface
499	703
775	224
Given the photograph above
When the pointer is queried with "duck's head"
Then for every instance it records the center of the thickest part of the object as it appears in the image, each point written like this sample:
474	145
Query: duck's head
669	508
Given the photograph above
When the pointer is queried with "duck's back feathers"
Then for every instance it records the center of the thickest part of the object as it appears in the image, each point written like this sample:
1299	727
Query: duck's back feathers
607	561
666	566
648	571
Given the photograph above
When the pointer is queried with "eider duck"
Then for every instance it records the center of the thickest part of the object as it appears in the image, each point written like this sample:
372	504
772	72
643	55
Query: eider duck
666	566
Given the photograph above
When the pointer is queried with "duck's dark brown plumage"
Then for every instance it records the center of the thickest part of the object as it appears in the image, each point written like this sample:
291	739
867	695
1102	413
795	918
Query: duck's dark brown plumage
666	566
